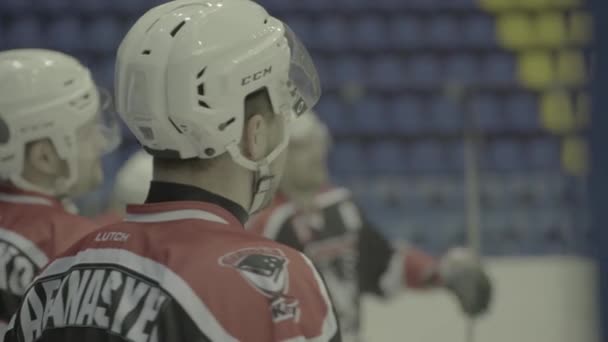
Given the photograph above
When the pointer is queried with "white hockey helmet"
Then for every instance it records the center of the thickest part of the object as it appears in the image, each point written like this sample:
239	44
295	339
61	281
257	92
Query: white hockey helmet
185	68
47	94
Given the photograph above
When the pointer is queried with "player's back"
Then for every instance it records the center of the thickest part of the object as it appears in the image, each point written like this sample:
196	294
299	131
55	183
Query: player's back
33	229
177	272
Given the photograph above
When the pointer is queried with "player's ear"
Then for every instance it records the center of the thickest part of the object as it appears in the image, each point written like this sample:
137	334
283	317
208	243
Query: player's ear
42	158
255	138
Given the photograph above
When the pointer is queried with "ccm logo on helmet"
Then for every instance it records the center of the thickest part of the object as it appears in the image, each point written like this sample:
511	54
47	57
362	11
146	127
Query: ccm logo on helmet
257	76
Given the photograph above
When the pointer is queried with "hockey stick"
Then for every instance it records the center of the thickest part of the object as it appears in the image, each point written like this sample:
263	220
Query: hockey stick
460	94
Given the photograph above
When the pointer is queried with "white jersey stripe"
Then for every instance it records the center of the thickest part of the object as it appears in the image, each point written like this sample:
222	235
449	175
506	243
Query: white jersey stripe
24	199
169	280
277	219
176	215
330	323
326	199
26	246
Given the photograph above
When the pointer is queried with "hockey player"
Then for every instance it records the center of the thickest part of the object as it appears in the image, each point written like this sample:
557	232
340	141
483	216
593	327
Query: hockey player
312	216
208	88
50	148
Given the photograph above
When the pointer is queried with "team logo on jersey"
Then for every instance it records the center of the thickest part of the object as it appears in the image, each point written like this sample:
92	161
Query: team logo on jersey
266	270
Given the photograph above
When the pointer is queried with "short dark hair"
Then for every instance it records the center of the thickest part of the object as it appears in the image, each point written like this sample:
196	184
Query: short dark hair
256	103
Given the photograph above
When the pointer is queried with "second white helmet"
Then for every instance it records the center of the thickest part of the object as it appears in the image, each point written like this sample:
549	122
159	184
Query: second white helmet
185	68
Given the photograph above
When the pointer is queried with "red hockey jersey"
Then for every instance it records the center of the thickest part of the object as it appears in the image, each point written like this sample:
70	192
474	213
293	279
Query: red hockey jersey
33	229
177	271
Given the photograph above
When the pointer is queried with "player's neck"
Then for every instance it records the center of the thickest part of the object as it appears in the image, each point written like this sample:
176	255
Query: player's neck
231	182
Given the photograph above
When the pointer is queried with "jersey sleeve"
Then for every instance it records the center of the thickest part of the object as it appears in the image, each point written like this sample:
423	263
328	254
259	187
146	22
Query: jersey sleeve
375	254
274	226
386	268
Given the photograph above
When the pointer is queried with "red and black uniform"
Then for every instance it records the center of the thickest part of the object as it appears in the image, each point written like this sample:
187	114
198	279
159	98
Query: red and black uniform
353	257
33	229
179	268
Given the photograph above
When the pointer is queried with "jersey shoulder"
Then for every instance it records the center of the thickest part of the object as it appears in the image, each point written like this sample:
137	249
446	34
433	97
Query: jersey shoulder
245	285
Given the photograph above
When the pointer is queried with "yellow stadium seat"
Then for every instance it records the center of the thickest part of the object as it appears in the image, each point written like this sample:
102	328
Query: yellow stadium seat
536	69
534	4
575	156
580	28
567	3
515	31
557	115
495	6
551	29
571	68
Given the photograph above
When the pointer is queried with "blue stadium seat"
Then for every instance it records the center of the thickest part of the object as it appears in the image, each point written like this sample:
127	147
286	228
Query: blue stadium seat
386	157
406	32
462	68
65	34
132	7
332	33
553	232
349	5
544	154
422	70
3	39
387	72
453	152
370	33
499	69
479	32
445	115
426	157
91	6
488	109
369	116
501	235
506	155
443	32
349	69
460	4
332	112
347	158
522	112
53	6
103	35
304	28
407	115
104	73
15	6
326	69
25	33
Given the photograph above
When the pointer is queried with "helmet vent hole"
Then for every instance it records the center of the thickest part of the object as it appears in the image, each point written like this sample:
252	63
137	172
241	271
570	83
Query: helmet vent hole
68	83
266	21
203	104
4	132
177	28
226	124
201	73
209	151
175	126
146	52
201	89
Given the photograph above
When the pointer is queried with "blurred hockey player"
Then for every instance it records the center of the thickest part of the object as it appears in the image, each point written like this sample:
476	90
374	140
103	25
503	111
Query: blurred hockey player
51	141
322	221
208	87
132	182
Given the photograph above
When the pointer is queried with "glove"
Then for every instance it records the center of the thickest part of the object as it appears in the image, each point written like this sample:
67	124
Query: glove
463	275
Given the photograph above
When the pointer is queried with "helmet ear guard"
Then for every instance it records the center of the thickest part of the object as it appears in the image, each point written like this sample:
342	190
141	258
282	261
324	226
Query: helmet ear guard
44	95
183	94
